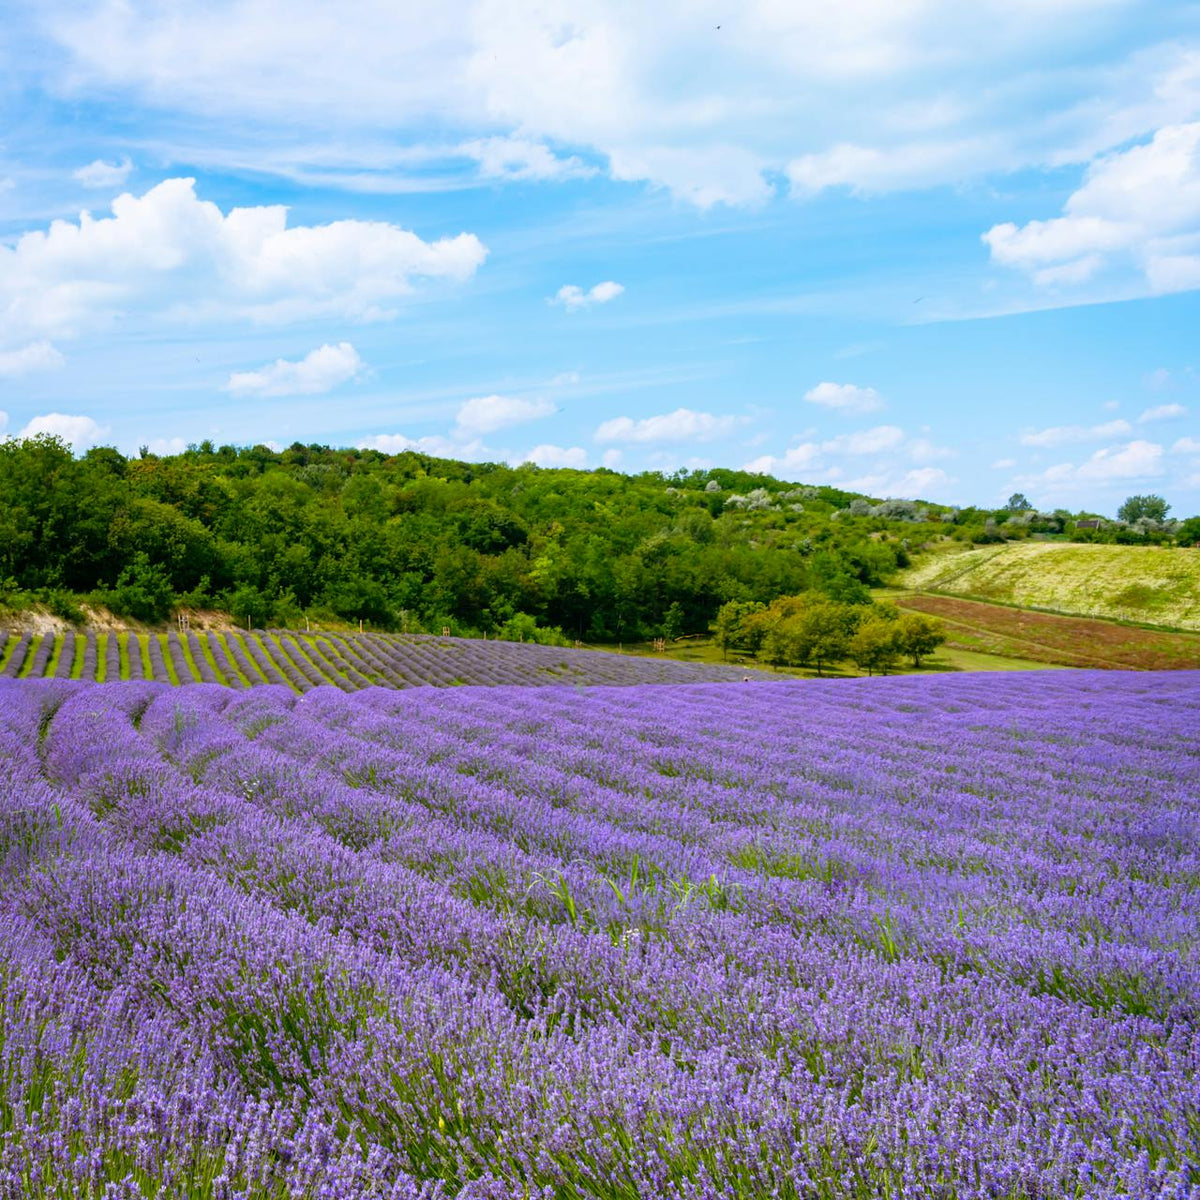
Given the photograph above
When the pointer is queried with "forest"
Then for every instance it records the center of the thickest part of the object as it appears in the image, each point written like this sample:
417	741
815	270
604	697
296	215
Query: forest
410	542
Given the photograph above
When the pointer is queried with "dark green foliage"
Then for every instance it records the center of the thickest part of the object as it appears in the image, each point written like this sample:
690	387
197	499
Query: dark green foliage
1137	507
143	590
1188	533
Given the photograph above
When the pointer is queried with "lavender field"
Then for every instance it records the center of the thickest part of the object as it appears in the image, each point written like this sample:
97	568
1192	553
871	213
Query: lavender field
910	937
350	661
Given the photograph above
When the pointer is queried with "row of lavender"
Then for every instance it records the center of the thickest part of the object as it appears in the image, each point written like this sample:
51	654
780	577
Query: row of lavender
906	937
348	661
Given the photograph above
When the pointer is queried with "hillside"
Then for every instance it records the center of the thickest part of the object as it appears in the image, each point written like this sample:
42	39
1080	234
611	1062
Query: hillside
976	626
1157	585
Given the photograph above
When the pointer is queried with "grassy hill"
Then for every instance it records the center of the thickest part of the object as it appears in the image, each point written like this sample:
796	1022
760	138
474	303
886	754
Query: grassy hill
1006	632
1154	585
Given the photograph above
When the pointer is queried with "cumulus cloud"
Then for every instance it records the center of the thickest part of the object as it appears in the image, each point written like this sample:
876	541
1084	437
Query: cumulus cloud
682	425
554	456
871	461
167	250
486	414
436	445
1134	460
612	459
78	432
1138	209
1186	445
573	297
834	459
845	397
37	356
319	371
101	174
866	441
1061	435
1163	412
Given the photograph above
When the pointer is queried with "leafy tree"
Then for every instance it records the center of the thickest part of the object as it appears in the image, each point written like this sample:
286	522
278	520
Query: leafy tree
733	629
1188	533
143	591
1137	507
918	635
873	645
1017	503
672	625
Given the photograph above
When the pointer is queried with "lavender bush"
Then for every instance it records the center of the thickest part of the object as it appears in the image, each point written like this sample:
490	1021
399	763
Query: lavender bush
925	937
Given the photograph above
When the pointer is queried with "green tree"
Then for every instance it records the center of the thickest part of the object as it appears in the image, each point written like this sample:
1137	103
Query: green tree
918	635
1018	503
1137	507
143	591
732	629
672	624
873	645
1188	533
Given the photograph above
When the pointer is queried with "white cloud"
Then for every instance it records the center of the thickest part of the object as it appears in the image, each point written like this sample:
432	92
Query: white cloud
511	158
573	297
3	420
798	458
166	446
1004	464
1186	445
682	425
1158	380
439	447
846	397
1134	460
37	356
1137	211
168	251
658	91
612	459
79	432
832	460
486	414
1061	435
319	371
866	441
1163	412
554	456
101	174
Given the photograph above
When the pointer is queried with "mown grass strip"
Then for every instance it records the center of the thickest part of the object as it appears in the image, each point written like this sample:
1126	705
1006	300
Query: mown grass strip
168	664
81	645
10	644
30	655
102	656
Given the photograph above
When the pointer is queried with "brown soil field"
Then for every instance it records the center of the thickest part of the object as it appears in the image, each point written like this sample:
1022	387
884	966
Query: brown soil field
1067	641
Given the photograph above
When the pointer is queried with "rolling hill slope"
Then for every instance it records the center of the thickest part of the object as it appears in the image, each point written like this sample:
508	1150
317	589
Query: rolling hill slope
1150	584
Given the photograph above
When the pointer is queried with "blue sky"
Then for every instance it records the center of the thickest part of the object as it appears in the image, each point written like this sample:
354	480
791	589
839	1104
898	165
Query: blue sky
910	247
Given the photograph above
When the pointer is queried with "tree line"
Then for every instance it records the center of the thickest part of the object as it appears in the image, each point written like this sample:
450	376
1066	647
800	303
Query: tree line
410	541
813	630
